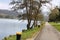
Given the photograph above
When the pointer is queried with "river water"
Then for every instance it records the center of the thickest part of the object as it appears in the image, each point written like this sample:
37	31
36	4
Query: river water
11	26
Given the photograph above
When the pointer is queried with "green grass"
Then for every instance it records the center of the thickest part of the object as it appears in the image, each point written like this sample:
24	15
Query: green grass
11	37
56	25
29	33
26	34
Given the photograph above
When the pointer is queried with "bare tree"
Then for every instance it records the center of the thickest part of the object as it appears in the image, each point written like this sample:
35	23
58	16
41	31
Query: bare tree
32	8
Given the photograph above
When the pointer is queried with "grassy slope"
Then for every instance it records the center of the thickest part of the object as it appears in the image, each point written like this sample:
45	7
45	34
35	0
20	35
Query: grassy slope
56	25
29	33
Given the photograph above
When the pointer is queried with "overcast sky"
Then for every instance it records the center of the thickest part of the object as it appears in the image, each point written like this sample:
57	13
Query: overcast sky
46	9
4	4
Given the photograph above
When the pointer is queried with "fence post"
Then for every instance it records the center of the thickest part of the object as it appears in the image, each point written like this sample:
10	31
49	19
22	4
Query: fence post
18	35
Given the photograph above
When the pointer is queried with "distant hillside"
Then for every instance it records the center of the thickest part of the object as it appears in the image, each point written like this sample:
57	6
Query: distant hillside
8	13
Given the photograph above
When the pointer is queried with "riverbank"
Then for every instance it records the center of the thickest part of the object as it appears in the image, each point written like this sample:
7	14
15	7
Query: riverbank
27	34
56	25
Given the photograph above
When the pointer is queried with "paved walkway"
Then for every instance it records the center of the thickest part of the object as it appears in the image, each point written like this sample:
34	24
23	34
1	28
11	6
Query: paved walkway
48	33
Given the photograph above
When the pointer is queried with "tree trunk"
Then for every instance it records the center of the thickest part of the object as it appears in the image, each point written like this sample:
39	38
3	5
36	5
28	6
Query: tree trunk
28	25
29	21
33	25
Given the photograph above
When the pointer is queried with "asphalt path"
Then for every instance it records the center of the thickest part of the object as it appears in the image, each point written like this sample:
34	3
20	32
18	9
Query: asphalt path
48	33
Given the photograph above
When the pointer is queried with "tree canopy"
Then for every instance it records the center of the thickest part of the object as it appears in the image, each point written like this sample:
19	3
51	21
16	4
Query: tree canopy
54	14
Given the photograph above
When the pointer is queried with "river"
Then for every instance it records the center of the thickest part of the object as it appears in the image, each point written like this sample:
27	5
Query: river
11	26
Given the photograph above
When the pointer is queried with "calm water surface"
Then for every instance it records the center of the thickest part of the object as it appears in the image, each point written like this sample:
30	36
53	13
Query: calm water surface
11	26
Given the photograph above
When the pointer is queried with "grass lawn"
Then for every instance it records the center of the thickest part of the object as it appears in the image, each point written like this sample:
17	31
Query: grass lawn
56	25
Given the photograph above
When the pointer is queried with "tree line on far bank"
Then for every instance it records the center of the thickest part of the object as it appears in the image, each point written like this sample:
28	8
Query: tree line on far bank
7	16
